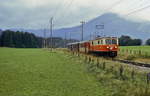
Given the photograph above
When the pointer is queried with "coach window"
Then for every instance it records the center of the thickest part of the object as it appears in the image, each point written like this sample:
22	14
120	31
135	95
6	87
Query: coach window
114	41
92	42
108	41
101	41
98	42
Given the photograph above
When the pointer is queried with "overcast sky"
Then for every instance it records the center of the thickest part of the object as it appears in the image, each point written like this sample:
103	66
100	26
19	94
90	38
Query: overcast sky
35	14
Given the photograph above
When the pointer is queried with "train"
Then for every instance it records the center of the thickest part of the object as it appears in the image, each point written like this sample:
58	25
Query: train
103	46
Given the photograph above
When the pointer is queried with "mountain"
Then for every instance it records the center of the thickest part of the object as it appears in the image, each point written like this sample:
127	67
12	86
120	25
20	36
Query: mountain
114	25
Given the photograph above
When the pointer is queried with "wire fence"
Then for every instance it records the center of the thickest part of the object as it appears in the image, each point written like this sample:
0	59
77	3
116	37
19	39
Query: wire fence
122	72
135	52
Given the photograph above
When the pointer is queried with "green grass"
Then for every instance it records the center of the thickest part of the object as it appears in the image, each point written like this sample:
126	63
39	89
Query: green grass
135	52
127	84
143	48
36	72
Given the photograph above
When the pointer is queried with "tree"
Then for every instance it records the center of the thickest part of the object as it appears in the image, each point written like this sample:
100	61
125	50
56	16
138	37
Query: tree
124	40
7	38
136	42
148	42
128	41
27	40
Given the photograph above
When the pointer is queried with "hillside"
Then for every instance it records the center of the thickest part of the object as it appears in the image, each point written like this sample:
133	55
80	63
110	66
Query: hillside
114	26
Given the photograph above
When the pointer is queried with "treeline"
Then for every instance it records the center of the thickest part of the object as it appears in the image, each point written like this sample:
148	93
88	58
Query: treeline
128	41
18	39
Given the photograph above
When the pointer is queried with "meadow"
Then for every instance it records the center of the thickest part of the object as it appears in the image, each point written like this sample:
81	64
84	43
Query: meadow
38	72
136	53
143	48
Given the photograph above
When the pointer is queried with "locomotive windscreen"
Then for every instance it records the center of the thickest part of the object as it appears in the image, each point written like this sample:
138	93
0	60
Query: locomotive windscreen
111	41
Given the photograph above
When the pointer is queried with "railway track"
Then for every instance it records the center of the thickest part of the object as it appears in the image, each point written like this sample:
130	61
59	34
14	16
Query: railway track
133	63
140	64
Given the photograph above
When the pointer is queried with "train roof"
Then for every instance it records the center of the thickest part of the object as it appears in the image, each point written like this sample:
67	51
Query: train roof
89	40
104	37
77	42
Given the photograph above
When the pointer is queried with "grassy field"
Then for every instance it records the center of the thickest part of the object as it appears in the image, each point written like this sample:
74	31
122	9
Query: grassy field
143	48
136	53
36	72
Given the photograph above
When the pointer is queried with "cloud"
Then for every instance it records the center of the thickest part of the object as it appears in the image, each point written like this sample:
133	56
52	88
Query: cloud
35	14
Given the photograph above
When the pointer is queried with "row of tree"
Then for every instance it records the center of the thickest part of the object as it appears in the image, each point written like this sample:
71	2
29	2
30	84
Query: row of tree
19	39
128	41
28	40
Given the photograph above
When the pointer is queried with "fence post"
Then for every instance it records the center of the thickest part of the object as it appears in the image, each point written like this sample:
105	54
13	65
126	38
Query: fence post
112	69
139	52
122	50
148	78
121	71
85	58
89	59
97	63
146	54
135	52
104	65
130	51
133	74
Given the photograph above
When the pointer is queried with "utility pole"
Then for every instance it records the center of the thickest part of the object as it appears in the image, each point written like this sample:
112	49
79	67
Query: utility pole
70	38
100	27
65	40
51	33
44	39
82	30
90	36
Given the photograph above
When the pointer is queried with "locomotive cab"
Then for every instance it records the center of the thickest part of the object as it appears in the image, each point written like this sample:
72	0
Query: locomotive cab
112	46
105	46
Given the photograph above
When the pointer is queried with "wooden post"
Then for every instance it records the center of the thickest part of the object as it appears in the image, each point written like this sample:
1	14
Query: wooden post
121	71
112	69
89	59
139	52
104	65
133	74
148	78
97	63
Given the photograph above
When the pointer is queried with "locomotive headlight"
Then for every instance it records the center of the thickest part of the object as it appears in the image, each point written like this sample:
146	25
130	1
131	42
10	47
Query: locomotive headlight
107	47
116	47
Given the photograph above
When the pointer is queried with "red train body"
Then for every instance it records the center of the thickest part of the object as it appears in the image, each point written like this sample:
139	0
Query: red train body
107	46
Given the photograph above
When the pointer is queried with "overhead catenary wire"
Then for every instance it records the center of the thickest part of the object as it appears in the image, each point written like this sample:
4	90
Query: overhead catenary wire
111	7
66	7
138	10
114	5
58	7
130	13
119	2
108	9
